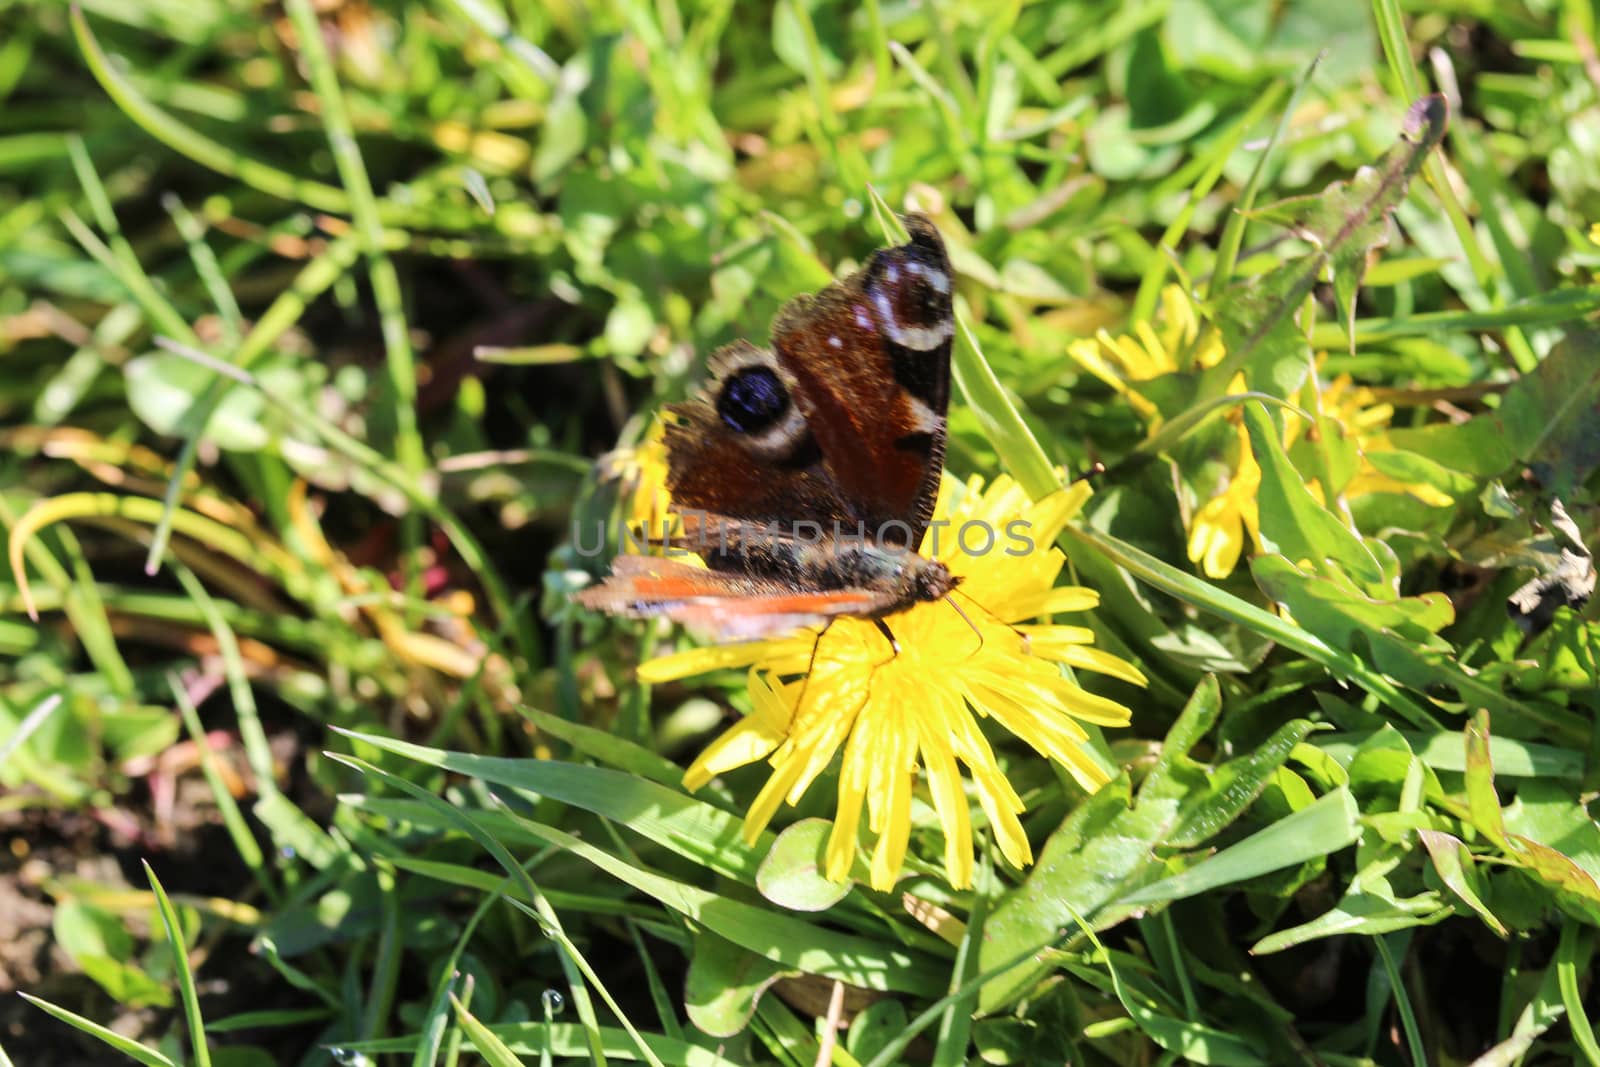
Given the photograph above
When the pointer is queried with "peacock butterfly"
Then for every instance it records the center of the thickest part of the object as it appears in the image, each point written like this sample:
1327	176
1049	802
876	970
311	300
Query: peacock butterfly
805	474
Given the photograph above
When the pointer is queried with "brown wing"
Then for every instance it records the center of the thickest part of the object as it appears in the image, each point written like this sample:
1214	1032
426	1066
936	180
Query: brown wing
743	448
845	421
871	361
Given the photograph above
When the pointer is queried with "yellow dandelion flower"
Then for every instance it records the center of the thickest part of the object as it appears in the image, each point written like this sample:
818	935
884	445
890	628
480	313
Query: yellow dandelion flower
642	473
894	716
1150	351
1217	532
1367	420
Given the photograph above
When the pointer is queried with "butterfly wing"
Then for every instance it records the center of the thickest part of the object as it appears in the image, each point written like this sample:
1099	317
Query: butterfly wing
843	420
729	606
871	360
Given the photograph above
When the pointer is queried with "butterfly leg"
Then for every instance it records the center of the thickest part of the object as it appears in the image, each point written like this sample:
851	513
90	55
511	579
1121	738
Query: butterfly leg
888	634
812	663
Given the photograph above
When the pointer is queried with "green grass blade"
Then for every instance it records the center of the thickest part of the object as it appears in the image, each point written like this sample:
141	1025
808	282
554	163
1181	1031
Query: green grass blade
364	210
127	1046
1576	944
1402	1000
692	828
572	960
30	722
494	1051
205	264
1144	301
192	144
180	962
1232	237
232	818
257	748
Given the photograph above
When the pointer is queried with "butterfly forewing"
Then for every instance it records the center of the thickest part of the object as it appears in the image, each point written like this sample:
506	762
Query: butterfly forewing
870	359
843	420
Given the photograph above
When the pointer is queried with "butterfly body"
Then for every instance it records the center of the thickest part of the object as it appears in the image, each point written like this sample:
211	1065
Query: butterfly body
806	473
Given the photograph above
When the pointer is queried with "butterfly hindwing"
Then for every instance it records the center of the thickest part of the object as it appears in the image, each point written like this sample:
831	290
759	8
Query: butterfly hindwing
742	448
731	606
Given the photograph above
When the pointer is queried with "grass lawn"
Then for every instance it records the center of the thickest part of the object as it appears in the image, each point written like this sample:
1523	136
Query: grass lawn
337	342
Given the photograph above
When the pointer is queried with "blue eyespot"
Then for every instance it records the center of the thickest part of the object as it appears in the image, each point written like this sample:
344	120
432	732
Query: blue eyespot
752	400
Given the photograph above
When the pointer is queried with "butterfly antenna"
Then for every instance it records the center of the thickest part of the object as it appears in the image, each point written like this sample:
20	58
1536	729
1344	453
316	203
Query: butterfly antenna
979	605
1095	470
968	620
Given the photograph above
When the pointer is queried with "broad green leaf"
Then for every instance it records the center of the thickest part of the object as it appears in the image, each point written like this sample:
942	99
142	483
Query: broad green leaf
1379	769
1396	636
1359	913
1548	419
1326	826
1103	845
1443	751
1551	814
873	1027
1454	865
791	874
1348	220
725	983
99	943
1554	835
1579	892
1196	719
83	929
126	983
1413	468
565	129
1293	523
139	731
168	392
1235	785
629	325
1483	805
